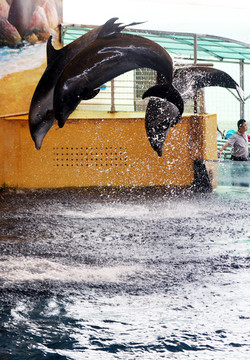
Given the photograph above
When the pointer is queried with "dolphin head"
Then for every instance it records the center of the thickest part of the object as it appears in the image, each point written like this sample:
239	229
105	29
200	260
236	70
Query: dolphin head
41	119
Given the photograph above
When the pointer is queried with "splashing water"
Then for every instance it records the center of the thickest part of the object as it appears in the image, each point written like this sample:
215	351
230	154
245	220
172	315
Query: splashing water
105	276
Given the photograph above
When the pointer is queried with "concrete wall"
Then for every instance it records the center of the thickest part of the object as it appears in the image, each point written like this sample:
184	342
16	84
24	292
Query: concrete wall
105	150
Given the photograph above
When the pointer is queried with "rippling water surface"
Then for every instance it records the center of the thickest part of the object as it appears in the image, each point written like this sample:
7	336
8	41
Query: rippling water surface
92	275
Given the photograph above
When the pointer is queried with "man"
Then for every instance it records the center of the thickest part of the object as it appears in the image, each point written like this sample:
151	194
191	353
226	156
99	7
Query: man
239	142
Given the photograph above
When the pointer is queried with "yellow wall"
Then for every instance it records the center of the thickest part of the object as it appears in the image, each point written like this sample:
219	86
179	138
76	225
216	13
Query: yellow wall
203	133
16	90
101	151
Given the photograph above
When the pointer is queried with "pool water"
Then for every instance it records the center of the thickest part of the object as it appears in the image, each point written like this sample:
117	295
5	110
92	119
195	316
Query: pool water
234	173
86	274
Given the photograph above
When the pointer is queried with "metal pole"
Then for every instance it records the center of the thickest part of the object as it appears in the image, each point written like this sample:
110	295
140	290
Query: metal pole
242	85
195	62
195	49
112	109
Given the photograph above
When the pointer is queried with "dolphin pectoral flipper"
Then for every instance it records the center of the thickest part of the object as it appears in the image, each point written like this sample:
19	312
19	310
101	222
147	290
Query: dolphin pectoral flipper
89	94
72	102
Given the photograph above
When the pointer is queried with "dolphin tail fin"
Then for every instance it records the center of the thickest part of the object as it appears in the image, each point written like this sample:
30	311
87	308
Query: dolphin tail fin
189	79
168	93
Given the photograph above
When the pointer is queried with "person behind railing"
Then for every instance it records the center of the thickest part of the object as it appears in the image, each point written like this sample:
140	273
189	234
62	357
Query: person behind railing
239	143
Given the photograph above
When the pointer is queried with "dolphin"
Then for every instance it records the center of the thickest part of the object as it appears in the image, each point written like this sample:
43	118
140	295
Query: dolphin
189	79
104	59
161	115
41	114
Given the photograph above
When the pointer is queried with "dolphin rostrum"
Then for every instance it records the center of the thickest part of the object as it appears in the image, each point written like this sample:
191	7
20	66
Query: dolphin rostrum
41	114
103	60
161	115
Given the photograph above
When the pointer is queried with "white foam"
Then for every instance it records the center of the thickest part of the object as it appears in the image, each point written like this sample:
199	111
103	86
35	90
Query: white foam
127	211
18	269
115	211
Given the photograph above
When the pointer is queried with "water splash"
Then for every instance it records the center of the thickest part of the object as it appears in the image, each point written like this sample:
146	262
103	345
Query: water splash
98	277
19	269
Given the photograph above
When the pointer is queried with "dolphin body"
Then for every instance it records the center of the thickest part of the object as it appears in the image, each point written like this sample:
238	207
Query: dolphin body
161	115
104	59
41	113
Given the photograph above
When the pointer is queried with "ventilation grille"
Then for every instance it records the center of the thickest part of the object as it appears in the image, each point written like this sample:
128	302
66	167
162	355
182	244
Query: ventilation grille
104	157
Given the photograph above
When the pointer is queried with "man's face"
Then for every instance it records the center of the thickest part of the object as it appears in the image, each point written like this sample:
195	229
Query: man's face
244	127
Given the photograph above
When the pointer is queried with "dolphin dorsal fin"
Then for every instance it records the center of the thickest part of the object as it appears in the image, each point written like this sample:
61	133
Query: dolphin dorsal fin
110	28
52	53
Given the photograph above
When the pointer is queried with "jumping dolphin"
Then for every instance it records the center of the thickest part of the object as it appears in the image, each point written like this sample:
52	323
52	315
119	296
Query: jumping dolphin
161	115
41	114
103	60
